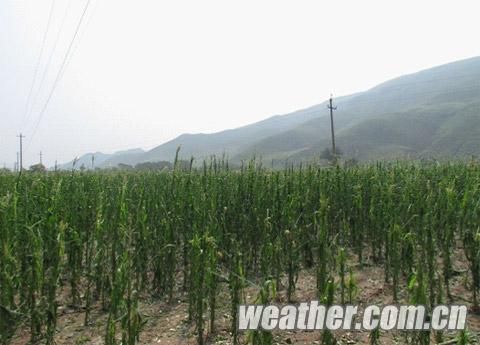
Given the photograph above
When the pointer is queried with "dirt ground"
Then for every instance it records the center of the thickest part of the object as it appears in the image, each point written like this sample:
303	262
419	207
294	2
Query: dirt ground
167	323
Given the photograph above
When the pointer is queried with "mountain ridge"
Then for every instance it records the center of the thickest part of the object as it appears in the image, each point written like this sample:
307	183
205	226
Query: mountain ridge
431	113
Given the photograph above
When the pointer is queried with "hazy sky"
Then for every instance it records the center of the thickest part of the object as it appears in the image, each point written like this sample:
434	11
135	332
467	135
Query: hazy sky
142	72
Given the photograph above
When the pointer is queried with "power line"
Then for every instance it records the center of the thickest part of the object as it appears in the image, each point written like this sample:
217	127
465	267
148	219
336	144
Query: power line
27	107
50	57
88	19
59	74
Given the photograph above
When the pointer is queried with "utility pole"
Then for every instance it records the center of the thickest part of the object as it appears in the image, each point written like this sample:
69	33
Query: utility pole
21	136
332	108
41	158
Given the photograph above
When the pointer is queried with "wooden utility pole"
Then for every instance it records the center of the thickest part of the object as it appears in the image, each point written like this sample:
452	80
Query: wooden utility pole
21	136
332	108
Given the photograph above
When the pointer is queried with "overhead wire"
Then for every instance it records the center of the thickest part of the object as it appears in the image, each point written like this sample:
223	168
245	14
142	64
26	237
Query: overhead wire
39	60
360	101
50	57
59	74
88	19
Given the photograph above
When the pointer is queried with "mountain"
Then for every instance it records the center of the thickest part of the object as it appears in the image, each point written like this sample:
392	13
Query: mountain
84	160
130	157
229	142
102	160
431	113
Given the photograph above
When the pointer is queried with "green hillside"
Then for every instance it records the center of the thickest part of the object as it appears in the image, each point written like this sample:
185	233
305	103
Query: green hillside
432	113
229	142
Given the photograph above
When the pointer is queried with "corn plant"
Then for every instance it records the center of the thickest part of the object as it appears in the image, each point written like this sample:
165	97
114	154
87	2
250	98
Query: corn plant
108	240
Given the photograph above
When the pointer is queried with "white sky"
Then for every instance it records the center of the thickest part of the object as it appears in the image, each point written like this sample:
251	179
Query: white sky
143	72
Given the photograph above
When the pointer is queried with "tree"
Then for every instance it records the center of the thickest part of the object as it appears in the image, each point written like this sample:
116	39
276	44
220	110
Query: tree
161	165
123	166
38	168
351	162
328	155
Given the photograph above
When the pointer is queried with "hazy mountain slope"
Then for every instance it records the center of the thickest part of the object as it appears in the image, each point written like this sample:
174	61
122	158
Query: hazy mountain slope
422	114
435	112
85	160
460	134
230	141
130	157
102	160
418	133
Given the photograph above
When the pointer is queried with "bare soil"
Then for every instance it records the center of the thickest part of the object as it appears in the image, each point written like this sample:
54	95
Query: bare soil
167	323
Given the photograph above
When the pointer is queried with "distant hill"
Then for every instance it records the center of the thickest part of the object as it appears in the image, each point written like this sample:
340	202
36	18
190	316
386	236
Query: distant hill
85	160
102	160
130	157
229	142
432	113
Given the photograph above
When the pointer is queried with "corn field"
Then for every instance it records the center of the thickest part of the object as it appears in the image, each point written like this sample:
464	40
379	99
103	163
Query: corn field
112	239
